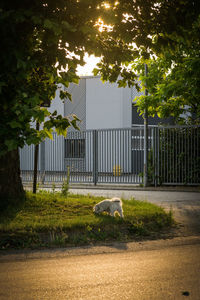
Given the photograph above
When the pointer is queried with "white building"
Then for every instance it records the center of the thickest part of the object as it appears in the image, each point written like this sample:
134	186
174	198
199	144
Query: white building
101	105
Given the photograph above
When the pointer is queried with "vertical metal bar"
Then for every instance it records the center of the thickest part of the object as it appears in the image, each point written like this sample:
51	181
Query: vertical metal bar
197	176
111	158
195	155
116	154
95	156
122	154
179	154
107	155
161	155
35	162
107	160
166	155
193	148
146	138
134	153
182	156
174	154
128	152
100	156
89	152
153	154
103	157
185	155
156	156
188	149
191	164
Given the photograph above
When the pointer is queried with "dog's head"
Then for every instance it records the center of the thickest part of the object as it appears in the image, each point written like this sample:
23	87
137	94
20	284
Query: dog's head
96	209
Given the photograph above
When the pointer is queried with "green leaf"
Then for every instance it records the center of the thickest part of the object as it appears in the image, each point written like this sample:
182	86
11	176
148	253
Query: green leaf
48	24
11	144
95	71
68	26
15	124
61	131
65	94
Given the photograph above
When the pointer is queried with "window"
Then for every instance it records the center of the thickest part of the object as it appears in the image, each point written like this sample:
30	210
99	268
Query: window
74	148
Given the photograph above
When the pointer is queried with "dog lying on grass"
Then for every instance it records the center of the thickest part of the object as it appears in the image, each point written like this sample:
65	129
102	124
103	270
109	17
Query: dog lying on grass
110	206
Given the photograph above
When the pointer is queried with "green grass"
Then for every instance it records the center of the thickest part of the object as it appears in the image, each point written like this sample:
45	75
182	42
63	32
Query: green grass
49	219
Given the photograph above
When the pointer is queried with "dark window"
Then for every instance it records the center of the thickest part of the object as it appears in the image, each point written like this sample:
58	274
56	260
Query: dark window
138	120
74	148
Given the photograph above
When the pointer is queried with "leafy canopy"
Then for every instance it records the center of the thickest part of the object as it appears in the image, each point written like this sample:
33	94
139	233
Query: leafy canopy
166	36
42	42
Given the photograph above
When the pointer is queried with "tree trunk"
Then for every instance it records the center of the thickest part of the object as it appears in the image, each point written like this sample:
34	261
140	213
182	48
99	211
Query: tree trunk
11	187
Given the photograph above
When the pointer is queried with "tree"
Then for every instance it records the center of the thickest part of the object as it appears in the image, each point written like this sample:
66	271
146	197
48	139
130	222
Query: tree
42	42
173	84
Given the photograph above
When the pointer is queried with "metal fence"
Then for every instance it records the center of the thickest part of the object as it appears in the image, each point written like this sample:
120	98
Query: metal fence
178	155
117	156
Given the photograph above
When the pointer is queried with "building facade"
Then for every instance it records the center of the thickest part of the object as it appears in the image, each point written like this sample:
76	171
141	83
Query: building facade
103	107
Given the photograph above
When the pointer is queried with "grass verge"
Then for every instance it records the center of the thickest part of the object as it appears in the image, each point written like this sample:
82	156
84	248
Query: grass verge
49	219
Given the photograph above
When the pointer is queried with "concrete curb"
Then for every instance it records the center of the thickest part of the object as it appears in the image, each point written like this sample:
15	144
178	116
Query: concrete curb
115	247
124	187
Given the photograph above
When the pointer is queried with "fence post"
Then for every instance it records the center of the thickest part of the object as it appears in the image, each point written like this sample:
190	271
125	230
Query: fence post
146	139
42	161
95	157
156	154
35	162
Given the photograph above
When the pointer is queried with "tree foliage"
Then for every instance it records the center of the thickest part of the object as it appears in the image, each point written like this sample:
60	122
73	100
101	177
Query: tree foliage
173	80
42	42
166	36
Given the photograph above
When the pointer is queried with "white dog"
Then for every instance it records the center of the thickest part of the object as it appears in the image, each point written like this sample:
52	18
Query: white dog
110	206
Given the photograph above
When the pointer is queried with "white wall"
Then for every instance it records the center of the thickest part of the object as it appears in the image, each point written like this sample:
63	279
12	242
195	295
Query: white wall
126	105
78	104
107	106
57	104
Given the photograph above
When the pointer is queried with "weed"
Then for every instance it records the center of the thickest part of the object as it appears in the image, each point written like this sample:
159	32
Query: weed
65	185
53	187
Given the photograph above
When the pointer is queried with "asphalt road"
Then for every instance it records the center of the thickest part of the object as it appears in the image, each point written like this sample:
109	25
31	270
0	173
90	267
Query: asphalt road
170	272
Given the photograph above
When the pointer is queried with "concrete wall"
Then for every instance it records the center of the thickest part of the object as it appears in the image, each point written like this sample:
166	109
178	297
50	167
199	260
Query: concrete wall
107	106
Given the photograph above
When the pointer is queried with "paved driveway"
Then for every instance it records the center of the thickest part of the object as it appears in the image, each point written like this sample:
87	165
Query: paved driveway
185	205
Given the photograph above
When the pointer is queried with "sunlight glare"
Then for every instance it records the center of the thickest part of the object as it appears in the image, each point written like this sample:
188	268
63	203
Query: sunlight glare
102	26
91	62
106	5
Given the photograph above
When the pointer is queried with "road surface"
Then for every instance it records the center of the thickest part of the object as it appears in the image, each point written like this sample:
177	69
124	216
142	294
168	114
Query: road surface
169	272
